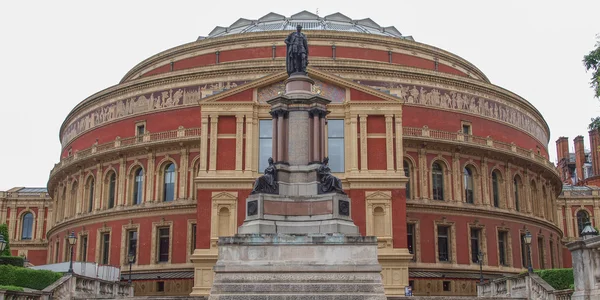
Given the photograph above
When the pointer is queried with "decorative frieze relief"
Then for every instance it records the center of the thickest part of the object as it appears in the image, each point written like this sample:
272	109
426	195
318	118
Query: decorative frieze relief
420	95
154	101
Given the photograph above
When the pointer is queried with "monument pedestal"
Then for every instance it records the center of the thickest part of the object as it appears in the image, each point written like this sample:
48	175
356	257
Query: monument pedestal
298	240
297	266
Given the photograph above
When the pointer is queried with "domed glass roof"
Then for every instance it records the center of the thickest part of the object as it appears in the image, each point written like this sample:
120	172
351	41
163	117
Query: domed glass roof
309	21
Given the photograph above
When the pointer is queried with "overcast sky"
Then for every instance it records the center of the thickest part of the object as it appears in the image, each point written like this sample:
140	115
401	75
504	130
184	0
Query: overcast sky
56	53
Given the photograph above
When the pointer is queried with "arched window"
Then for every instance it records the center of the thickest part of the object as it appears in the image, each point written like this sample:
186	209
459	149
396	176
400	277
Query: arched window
582	218
112	181
407	174
27	226
468	185
169	183
437	179
138	185
495	189
90	194
516	184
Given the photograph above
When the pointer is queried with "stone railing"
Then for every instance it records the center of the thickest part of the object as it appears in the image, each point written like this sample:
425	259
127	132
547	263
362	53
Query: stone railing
487	142
120	144
75	287
527	286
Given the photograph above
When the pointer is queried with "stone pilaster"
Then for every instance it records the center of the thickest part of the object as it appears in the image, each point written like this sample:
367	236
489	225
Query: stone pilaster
41	219
183	172
99	188
508	187
214	122
363	143
389	141
399	145
68	195
12	220
354	143
250	122
456	178
527	193
569	216
485	179
423	173
203	144
150	177
80	189
239	142
121	181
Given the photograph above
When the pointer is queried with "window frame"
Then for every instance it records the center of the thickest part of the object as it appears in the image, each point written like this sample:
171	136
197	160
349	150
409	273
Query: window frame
31	226
261	156
441	240
437	178
105	248
163	240
137	192
330	138
495	189
469	180
111	194
172	175
90	192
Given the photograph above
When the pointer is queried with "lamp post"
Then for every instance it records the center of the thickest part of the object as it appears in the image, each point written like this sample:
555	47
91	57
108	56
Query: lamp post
131	259
480	259
72	240
527	239
2	243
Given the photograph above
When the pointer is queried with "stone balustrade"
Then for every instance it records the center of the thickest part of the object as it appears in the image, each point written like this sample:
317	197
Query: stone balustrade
524	286
72	286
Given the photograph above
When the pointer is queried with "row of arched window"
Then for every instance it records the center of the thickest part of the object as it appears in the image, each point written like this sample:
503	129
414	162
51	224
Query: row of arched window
539	205
134	195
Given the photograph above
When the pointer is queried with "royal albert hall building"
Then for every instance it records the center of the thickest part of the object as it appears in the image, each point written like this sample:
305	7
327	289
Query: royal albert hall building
439	162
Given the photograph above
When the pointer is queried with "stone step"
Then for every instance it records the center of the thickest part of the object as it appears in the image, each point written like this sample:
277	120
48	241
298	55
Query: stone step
312	296
297	287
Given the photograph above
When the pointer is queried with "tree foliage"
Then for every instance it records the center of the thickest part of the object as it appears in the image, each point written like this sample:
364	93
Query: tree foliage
595	123
4	233
591	61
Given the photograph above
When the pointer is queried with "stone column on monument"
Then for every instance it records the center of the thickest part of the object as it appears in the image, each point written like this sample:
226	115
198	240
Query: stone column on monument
275	135
280	137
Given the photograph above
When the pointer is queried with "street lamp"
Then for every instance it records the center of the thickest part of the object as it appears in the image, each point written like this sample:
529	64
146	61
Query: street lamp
527	239
480	259
131	259
2	243
72	240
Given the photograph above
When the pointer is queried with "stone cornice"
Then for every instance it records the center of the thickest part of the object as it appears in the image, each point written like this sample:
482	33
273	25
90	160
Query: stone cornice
277	38
444	208
153	209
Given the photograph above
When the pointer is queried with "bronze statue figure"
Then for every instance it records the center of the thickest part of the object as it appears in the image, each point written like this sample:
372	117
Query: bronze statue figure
267	183
297	52
328	183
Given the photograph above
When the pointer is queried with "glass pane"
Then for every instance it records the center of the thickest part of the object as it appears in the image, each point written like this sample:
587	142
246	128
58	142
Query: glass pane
336	154
335	128
266	129
264	152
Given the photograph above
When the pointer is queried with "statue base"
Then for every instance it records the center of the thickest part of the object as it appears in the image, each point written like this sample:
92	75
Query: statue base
305	266
310	214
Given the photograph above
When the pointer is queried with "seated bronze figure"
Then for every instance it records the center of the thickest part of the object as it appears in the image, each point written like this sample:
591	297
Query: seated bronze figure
267	183
328	183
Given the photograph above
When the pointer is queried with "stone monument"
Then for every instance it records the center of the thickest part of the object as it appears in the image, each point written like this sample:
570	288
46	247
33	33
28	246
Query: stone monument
298	240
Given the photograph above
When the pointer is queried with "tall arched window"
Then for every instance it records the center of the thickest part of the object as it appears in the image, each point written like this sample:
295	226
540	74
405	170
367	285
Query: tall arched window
468	185
516	184
27	226
407	174
73	199
437	179
169	183
90	194
495	189
112	181
138	185
582	218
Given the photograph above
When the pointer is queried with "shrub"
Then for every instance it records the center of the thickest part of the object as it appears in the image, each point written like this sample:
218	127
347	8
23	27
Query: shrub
16	261
559	279
4	233
11	288
27	278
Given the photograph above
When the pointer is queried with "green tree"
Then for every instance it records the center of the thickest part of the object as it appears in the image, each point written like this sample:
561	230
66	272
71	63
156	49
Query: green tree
591	61
595	123
4	233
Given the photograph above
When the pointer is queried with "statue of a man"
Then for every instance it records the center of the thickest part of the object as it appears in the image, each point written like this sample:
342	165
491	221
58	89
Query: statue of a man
297	52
